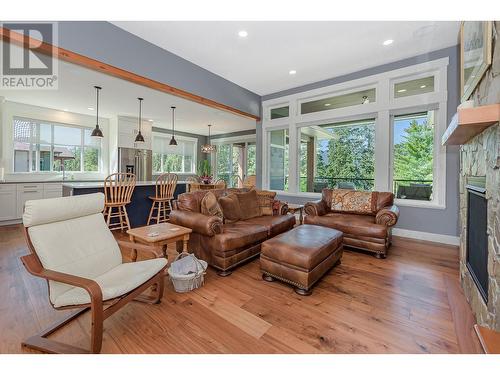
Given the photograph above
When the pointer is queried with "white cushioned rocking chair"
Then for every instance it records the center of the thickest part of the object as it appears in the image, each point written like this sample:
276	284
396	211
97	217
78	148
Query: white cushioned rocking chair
73	249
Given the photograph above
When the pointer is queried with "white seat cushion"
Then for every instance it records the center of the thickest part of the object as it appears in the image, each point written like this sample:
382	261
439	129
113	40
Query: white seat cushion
114	283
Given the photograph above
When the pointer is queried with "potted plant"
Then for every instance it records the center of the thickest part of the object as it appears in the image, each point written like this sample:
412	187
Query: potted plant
205	172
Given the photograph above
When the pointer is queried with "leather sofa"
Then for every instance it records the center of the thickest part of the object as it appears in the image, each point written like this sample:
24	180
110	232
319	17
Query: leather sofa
222	244
365	218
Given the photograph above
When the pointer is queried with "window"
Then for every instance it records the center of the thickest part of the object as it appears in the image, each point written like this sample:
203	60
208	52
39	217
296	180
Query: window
339	101
234	161
340	155
176	159
413	156
279	148
280	112
40	146
414	87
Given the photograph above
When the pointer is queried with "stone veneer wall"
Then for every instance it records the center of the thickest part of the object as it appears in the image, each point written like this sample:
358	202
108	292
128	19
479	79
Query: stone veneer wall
479	157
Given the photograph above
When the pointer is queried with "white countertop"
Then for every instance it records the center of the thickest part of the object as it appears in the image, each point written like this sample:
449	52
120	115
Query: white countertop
100	184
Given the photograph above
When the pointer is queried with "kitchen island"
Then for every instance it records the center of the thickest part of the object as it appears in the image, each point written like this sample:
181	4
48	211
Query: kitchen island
140	204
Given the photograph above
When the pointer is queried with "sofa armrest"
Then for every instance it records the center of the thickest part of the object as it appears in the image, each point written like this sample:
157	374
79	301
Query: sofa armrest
280	208
388	216
316	208
199	223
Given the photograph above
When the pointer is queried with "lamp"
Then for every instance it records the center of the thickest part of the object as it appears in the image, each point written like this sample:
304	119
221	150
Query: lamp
208	148
173	142
97	133
139	138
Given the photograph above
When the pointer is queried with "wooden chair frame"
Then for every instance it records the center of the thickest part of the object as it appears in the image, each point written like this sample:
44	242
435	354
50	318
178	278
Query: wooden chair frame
99	313
118	190
164	193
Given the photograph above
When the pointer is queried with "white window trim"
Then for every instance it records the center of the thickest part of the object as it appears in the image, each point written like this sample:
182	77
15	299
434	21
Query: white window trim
52	123
181	138
382	109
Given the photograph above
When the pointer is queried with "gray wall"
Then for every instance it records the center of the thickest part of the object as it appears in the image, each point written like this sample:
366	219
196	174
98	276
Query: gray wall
417	219
108	43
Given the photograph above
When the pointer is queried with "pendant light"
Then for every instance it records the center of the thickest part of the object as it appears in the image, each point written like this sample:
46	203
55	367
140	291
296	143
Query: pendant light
97	133
208	148
139	138
173	142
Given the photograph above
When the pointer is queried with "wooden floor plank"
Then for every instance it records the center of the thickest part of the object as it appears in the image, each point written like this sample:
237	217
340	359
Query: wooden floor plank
410	302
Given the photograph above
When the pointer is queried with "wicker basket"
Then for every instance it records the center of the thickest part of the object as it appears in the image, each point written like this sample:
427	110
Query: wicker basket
186	283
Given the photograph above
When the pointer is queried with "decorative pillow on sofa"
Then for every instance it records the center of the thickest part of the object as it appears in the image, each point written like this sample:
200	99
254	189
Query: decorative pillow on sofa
359	202
266	199
230	208
210	206
249	205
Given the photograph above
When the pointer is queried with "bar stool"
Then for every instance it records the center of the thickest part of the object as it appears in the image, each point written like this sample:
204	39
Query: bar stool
164	193
118	189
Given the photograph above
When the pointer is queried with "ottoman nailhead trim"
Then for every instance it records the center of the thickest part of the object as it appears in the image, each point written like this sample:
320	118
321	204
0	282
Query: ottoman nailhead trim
285	280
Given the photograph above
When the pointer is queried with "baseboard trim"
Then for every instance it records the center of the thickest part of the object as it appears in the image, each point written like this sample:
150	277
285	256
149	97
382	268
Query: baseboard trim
10	222
434	237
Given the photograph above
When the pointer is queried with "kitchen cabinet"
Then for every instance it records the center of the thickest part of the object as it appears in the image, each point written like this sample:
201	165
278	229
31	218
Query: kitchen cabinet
26	192
8	207
52	190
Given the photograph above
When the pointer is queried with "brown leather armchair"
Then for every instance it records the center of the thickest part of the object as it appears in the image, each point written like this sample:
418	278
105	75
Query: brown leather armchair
365	227
226	245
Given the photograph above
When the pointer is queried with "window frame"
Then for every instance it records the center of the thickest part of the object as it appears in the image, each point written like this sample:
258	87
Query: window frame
180	138
52	124
382	109
247	139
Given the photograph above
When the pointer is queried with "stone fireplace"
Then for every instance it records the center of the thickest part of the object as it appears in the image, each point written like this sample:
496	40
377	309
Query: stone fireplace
481	157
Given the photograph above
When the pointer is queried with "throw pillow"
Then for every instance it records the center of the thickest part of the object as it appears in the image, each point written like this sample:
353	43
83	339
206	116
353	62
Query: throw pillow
359	202
210	206
249	205
266	199
230	208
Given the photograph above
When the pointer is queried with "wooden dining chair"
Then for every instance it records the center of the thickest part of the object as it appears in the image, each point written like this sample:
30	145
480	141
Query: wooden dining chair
118	189
250	181
72	248
220	184
164	194
193	183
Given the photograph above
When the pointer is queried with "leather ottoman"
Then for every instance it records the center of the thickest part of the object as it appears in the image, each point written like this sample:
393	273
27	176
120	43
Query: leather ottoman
301	256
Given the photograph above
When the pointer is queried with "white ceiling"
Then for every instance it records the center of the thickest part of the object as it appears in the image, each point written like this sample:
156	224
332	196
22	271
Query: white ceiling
119	98
316	50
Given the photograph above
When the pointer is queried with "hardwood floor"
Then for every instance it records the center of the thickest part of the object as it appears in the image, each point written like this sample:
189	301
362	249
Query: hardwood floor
410	302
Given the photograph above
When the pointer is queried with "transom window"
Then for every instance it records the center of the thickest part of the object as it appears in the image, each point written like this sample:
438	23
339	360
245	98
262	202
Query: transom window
176	159
338	101
41	146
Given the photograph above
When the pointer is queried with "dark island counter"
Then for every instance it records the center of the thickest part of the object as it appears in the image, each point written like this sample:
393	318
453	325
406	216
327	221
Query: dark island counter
138	209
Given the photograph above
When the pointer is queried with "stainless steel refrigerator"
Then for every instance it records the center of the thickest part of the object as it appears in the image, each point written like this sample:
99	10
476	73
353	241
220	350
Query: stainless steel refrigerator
139	162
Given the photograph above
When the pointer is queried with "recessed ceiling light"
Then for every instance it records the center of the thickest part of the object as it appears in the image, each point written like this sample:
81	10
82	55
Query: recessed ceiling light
242	33
387	42
423	86
402	90
292	72
327	104
90	108
65	109
150	120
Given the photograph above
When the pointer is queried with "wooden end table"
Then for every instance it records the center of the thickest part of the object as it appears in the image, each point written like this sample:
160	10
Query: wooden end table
293	208
167	233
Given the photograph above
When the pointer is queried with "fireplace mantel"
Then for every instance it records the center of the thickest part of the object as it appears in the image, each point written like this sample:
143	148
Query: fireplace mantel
468	122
